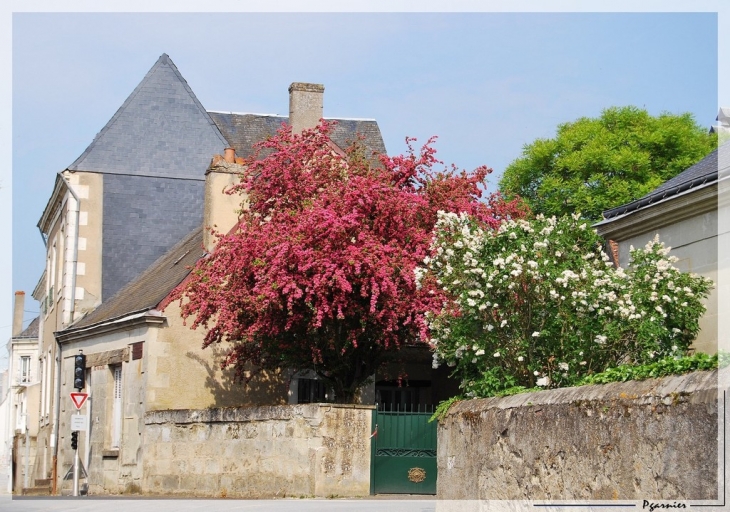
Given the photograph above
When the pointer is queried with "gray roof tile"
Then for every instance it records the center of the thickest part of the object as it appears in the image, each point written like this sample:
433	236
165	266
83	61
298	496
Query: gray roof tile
151	286
244	130
31	331
160	130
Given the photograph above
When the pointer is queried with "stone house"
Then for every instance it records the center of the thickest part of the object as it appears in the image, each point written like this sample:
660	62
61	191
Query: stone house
132	194
683	211
20	399
132	198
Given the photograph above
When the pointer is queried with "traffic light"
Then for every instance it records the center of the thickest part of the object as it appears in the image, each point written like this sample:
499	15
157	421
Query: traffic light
80	371
74	440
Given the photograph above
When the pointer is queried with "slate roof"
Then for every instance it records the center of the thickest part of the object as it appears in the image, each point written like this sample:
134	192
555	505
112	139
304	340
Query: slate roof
154	152
243	130
702	173
149	288
160	130
31	331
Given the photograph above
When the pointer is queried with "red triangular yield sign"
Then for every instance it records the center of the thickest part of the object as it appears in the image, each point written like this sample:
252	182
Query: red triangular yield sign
79	399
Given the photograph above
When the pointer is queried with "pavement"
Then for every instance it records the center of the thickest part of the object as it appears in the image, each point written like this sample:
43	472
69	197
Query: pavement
144	504
4	480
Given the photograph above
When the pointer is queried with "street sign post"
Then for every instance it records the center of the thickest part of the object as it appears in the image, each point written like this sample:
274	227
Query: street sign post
78	399
78	422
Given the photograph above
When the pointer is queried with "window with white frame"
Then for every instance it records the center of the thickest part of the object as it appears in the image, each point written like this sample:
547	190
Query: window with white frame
117	407
20	416
24	370
42	380
52	280
47	407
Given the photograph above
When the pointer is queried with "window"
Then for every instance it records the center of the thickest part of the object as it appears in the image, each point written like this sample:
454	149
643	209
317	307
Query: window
117	407
42	375
47	408
61	258
20	416
311	391
52	280
24	374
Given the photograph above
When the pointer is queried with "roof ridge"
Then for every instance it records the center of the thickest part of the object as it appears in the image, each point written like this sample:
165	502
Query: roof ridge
164	59
261	114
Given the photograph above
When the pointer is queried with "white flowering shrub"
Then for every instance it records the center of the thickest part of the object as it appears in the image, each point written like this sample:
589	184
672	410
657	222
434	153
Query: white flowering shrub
539	303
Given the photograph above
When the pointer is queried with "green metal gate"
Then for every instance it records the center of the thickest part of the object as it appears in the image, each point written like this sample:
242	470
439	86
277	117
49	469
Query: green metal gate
403	453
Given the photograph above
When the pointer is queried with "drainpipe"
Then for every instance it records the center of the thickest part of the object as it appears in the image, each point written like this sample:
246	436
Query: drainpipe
75	253
56	419
26	475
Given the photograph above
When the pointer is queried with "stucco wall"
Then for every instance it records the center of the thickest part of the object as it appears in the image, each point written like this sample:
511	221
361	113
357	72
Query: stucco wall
111	470
183	375
654	439
694	243
290	450
90	189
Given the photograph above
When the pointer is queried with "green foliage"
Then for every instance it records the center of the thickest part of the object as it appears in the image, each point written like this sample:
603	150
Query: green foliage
443	408
660	368
596	164
622	373
723	359
538	304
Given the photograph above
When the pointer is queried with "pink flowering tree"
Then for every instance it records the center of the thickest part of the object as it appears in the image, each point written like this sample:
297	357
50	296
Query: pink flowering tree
319	273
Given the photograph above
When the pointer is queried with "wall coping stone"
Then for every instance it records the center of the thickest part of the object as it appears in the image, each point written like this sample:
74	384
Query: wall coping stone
695	387
241	414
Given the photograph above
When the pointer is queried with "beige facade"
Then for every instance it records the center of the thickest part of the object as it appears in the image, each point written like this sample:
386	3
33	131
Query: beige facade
116	376
140	356
69	287
21	402
139	363
688	223
183	375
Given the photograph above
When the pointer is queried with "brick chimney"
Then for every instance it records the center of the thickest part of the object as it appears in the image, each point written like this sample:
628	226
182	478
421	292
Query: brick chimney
305	105
18	313
221	211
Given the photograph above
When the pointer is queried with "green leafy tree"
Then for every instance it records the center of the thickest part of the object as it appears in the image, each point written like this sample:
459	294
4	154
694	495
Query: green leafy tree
593	165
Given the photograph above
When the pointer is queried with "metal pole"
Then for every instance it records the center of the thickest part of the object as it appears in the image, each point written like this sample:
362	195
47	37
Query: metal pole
26	475
76	473
76	467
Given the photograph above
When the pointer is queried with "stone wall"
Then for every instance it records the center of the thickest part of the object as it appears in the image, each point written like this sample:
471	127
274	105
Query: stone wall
653	439
276	451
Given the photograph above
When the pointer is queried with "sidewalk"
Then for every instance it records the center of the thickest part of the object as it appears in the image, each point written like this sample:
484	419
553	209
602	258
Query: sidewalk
4	470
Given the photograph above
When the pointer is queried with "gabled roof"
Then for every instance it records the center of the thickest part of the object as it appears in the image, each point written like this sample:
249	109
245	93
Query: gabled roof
31	331
151	286
160	130
244	130
701	174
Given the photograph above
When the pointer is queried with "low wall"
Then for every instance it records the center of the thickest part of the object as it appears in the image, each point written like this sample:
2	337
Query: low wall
256	452
653	439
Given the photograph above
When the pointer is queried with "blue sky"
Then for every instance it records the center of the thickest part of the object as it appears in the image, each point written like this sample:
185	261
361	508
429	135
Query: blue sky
485	82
